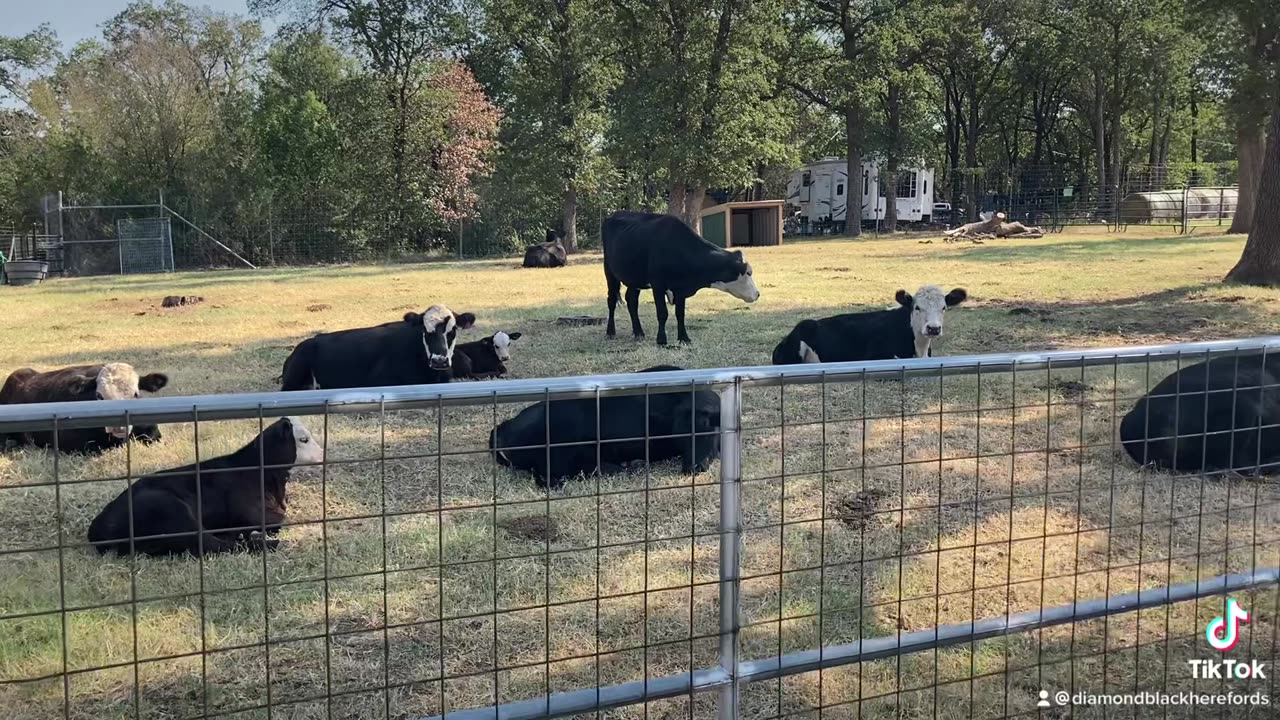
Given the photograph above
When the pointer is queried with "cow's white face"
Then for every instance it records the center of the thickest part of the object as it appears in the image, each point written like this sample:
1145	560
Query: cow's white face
307	450
440	333
119	381
741	284
928	306
502	344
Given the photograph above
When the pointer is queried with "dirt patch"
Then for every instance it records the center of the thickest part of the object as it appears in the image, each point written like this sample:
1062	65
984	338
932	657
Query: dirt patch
538	528
835	269
180	300
1073	390
1232	299
857	510
319	307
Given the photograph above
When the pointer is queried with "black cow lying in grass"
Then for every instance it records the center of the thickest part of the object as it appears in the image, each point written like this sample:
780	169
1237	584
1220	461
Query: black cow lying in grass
109	381
680	425
549	254
1215	416
237	493
906	331
484	358
417	350
651	250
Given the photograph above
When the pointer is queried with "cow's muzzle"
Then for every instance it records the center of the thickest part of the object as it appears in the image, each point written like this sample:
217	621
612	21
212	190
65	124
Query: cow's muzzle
439	362
933	330
119	432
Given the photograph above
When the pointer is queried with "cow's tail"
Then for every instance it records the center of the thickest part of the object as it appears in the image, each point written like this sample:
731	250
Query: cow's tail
788	351
299	372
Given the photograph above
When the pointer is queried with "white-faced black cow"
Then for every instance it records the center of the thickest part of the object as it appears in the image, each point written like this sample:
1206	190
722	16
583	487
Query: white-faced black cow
415	351
649	250
485	358
903	332
109	381
1219	415
236	497
549	254
682	425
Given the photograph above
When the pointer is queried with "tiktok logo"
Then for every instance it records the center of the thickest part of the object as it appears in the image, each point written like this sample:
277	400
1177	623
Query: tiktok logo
1224	632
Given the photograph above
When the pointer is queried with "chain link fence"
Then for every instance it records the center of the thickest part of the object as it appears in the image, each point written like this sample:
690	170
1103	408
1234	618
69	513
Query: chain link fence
935	538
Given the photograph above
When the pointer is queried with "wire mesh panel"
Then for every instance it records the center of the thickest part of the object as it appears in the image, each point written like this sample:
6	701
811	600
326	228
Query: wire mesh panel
948	537
146	245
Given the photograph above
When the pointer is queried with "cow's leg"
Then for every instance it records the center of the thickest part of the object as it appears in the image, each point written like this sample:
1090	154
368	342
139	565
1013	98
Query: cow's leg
682	335
660	303
614	286
633	307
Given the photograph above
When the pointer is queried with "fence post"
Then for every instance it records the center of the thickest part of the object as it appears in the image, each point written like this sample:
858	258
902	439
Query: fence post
1221	193
1186	195
730	537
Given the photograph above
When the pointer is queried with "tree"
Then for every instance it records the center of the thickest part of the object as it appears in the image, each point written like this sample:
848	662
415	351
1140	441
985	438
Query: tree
21	55
1260	262
695	106
559	79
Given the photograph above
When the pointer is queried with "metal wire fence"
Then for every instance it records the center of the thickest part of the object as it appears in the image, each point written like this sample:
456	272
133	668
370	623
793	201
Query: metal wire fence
946	537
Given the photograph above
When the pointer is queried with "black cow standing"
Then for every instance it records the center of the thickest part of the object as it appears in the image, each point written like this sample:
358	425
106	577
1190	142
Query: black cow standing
415	351
679	424
650	250
1219	415
549	254
232	495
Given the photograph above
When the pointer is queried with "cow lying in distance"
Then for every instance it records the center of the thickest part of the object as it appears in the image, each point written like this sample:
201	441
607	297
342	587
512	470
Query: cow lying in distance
549	254
906	331
651	250
679	424
109	381
239	495
483	358
417	350
1219	415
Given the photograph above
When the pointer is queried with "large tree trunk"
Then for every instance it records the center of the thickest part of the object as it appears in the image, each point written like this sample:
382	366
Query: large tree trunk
686	204
568	78
853	155
971	157
1250	142
1260	262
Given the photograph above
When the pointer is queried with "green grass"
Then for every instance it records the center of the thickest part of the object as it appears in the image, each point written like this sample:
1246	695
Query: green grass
889	476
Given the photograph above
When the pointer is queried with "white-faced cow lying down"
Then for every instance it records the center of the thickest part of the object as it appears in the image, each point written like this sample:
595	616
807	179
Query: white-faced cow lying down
1238	430
239	495
549	254
417	350
109	381
650	250
484	358
680	425
903	332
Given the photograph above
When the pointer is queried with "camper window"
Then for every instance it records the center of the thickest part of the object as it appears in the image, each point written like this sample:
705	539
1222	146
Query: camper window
906	185
866	186
806	179
839	189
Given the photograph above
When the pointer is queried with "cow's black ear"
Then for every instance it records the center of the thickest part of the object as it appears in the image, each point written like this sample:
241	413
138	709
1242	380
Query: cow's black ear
513	336
904	298
552	236
413	318
956	296
464	320
154	382
83	385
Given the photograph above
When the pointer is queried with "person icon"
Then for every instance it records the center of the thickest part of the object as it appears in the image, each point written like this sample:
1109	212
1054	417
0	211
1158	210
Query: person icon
1044	699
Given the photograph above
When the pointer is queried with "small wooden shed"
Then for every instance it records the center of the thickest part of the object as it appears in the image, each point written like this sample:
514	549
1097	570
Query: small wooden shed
743	224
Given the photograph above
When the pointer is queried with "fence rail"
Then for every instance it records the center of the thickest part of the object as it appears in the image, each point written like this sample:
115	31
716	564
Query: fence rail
906	538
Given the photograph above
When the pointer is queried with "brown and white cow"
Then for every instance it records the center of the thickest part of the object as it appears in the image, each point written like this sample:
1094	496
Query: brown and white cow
108	381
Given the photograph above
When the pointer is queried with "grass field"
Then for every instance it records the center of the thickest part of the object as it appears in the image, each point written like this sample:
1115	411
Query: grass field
926	501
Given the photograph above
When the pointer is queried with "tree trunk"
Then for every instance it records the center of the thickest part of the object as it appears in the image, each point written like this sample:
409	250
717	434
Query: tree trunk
891	158
1100	136
853	155
675	202
1260	262
693	208
1250	142
569	219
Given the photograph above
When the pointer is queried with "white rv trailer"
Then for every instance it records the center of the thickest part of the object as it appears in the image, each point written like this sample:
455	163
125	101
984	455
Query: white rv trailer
820	191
